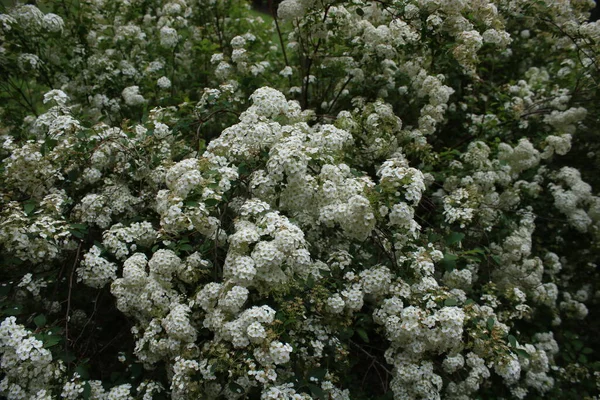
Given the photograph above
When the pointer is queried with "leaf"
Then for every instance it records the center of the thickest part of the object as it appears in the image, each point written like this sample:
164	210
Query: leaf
449	261
434	237
512	340
87	390
51	340
454	238
235	388
243	169
40	320
186	247
490	323
76	233
81	227
497	260
317	391
318	373
523	353
13	310
582	359
587	350
82	370
360	12
211	202
363	335
136	370
346	333
68	357
310	282
28	207
451	302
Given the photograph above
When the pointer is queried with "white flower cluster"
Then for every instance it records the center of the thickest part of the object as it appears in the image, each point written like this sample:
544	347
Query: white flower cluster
132	96
395	175
38	238
28	369
572	196
29	170
279	250
121	240
94	270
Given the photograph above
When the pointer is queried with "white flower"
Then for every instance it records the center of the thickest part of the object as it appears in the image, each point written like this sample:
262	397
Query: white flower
132	96
168	37
280	352
163	82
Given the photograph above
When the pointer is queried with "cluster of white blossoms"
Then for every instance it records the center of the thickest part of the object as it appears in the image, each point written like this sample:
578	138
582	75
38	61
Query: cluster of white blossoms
279	249
38	237
94	270
132	96
28	368
121	240
28	169
572	196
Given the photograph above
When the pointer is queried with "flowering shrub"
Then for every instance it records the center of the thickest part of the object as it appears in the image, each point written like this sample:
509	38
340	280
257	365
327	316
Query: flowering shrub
390	199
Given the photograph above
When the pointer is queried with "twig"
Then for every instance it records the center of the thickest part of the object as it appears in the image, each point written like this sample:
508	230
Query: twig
339	93
371	357
69	297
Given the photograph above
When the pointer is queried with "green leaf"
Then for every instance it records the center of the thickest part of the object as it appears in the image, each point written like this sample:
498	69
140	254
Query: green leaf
454	238
449	261
67	357
582	359
81	227
13	310
317	391
363	334
310	282
512	340
318	373
360	12
243	169
28	207
76	233
434	237
211	202
51	340
587	350
346	333
490	323
40	320
4	289
451	302
523	353
87	390
82	370
136	370
235	388
186	247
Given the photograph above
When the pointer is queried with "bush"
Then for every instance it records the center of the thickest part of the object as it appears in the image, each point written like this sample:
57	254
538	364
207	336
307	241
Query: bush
366	200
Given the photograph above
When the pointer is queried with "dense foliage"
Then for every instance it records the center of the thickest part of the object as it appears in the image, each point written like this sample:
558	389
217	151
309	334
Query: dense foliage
389	199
